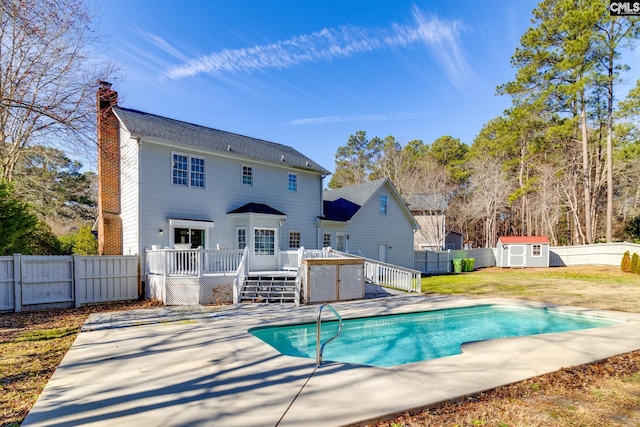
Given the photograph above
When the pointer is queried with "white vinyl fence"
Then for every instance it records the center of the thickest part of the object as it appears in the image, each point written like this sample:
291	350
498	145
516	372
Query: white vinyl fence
36	282
597	254
439	262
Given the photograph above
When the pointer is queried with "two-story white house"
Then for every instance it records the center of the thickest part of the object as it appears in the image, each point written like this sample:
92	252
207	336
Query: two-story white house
203	207
169	183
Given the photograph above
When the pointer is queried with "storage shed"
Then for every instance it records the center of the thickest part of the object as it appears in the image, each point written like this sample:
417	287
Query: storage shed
522	251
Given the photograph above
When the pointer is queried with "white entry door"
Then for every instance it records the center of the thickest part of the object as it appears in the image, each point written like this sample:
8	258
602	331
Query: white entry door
517	256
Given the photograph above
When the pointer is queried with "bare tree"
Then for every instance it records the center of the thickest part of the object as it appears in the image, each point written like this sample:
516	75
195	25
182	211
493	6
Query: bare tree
489	194
49	67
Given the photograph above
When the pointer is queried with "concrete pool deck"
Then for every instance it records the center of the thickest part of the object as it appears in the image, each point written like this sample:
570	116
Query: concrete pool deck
199	366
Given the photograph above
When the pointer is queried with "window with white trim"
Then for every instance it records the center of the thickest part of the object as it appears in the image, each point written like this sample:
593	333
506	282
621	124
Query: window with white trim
247	175
292	182
241	238
383	204
264	242
536	250
294	239
191	236
187	170
326	240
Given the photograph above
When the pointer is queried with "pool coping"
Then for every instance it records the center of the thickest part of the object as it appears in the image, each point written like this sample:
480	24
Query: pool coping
193	372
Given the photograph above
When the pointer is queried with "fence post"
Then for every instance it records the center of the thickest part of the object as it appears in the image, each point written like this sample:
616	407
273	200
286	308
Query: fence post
17	282
200	262
74	278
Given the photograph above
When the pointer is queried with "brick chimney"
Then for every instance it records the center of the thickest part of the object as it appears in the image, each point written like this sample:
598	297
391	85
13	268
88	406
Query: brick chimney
109	221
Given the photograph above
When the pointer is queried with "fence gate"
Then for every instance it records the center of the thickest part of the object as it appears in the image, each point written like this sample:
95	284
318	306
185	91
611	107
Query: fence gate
46	279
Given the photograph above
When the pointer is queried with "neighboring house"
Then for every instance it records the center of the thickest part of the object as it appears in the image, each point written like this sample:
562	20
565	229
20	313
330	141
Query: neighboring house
522	251
169	183
429	212
371	220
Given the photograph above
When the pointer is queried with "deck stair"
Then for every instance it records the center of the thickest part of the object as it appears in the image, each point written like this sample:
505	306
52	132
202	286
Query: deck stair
268	289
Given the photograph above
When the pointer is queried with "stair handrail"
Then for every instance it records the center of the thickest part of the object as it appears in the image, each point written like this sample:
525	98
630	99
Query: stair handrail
320	348
241	274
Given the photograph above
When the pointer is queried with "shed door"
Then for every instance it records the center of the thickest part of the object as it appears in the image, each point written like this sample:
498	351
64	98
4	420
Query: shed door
516	256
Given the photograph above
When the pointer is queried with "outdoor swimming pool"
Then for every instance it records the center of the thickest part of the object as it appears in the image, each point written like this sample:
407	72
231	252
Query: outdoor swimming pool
405	338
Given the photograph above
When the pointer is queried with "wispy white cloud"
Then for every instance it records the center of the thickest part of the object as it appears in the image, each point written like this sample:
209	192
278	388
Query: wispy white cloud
162	44
352	118
442	37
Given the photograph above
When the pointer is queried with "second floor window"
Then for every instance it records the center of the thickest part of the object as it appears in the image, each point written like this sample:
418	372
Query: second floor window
383	204
188	171
247	175
292	182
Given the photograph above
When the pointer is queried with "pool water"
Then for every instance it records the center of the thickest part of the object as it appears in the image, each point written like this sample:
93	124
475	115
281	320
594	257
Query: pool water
405	338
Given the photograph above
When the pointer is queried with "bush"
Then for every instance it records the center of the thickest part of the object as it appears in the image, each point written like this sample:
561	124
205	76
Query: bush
16	221
85	242
635	264
625	265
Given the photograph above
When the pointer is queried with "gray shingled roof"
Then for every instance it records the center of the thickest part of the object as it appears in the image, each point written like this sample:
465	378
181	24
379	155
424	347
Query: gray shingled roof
358	194
145	125
427	202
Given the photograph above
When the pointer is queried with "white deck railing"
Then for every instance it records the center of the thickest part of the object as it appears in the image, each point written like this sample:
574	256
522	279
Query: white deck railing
192	262
380	273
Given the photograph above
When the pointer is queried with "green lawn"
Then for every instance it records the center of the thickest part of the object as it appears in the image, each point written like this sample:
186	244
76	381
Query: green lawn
587	286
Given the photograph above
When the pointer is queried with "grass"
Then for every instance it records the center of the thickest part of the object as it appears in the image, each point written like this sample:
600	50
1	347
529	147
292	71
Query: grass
606	393
32	345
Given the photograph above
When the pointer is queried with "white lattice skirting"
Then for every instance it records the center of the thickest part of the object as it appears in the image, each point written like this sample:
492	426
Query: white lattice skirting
180	290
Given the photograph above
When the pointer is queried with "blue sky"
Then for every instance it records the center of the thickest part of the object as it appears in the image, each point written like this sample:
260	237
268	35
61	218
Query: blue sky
310	73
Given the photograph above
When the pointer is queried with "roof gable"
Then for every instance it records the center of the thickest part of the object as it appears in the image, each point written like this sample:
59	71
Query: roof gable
188	135
359	195
523	239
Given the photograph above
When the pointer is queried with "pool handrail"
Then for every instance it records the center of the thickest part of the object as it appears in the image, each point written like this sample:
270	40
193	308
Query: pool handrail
320	348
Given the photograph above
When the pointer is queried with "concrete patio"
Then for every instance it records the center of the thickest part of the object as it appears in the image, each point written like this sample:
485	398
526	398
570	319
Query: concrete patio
199	366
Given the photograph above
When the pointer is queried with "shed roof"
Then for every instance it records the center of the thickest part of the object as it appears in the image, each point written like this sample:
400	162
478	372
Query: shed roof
188	135
523	239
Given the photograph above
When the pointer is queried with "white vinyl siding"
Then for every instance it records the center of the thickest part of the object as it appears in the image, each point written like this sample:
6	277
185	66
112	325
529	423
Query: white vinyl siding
129	195
369	229
160	199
